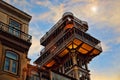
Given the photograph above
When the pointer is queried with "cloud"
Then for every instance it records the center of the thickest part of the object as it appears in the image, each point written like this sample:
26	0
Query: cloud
24	5
105	47
107	12
45	3
118	40
35	47
111	72
107	76
36	33
52	15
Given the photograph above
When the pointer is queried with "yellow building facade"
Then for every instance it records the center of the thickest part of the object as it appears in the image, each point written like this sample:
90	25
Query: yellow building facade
14	42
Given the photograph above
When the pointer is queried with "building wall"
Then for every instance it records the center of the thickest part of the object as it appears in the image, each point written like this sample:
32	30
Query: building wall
22	63
5	19
5	16
1	54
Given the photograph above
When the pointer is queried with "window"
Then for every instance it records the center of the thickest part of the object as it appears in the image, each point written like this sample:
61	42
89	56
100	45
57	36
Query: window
83	66
11	62
34	77
68	64
14	28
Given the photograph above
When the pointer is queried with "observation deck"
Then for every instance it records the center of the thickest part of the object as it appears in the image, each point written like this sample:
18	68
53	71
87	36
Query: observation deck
72	40
66	37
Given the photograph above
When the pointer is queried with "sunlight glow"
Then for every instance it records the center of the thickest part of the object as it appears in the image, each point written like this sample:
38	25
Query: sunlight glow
94	9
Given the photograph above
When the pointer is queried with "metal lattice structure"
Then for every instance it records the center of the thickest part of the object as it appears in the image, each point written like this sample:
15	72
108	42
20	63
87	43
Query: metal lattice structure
68	48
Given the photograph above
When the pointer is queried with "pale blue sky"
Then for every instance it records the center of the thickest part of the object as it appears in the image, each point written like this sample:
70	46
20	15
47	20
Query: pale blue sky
103	17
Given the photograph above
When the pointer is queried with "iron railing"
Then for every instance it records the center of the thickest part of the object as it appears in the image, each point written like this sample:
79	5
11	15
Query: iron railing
15	32
65	39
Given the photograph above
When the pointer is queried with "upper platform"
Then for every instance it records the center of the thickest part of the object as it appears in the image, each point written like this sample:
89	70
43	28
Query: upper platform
67	18
73	40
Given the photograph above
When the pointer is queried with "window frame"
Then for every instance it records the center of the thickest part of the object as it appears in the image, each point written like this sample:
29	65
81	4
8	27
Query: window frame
34	75
11	61
13	29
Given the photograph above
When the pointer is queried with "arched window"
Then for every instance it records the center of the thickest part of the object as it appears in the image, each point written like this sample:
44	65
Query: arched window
11	62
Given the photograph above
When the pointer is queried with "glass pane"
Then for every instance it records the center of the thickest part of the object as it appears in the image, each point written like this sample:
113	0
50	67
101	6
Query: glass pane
16	27
14	24
11	30
11	55
37	78
17	33
7	64
32	77
14	66
83	66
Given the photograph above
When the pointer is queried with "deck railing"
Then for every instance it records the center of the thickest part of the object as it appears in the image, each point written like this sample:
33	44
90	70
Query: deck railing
65	40
15	32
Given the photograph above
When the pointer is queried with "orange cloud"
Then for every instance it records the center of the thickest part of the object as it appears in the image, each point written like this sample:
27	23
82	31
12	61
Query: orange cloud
105	76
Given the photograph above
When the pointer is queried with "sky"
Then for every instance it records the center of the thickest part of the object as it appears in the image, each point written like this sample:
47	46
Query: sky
103	17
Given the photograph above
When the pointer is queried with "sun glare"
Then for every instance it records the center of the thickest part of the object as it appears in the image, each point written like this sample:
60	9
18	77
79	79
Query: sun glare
94	8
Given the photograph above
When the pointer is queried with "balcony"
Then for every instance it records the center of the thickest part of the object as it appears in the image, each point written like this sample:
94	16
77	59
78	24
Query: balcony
83	42
15	32
45	37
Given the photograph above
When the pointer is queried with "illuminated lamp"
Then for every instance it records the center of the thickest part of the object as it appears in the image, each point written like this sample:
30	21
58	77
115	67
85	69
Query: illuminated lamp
63	53
83	51
72	46
87	47
76	41
50	64
68	26
95	52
